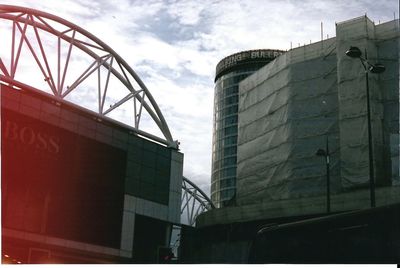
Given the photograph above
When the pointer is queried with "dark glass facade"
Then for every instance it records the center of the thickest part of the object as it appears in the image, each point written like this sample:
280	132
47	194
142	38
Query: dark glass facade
148	175
66	174
58	183
229	72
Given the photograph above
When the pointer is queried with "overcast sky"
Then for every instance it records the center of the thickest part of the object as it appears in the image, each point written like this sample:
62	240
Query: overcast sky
175	45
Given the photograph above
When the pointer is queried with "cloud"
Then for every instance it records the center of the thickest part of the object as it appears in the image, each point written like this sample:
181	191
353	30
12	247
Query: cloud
174	47
186	12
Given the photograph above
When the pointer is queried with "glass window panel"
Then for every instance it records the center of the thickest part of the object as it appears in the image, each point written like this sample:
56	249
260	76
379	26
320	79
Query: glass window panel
148	175
149	158
162	163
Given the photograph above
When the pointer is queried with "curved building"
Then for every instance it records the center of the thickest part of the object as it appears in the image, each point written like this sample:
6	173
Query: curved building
229	72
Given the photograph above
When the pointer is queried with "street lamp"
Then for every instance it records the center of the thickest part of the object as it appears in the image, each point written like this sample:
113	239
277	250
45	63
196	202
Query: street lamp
325	153
355	52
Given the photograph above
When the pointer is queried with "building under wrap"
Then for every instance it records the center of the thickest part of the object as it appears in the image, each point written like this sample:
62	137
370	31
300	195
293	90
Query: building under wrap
288	111
294	105
313	95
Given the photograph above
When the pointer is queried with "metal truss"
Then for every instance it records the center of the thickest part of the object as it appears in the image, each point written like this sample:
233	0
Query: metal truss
194	201
53	57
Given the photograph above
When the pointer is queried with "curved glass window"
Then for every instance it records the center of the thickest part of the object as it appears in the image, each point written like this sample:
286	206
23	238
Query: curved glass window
226	98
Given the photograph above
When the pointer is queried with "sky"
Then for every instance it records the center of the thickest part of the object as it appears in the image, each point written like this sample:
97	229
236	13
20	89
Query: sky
175	45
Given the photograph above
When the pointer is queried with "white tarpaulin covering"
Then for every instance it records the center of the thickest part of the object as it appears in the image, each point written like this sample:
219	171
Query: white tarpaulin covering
313	94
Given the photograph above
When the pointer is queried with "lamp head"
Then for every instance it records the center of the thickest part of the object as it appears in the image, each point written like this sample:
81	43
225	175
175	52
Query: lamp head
377	68
354	52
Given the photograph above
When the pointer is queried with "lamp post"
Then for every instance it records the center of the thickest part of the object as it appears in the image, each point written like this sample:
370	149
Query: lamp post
325	153
355	52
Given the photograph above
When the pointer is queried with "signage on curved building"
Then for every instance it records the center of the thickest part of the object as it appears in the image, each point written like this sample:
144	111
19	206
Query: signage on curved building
244	57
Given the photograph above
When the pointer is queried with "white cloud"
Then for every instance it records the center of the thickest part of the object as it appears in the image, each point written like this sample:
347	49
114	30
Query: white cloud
186	12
